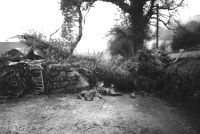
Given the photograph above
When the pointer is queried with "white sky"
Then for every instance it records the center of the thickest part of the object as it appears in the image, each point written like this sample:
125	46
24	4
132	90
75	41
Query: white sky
18	16
190	10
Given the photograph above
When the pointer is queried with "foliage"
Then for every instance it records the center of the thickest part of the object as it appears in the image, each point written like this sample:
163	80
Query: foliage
182	79
151	64
109	71
121	44
73	20
55	50
186	36
33	39
143	73
58	50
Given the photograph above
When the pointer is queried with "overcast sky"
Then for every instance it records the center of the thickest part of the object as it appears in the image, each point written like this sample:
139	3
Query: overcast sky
190	10
18	16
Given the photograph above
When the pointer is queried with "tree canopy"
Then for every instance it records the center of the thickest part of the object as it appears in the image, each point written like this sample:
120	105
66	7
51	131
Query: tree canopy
141	14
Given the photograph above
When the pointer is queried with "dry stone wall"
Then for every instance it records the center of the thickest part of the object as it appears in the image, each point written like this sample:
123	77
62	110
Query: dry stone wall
65	77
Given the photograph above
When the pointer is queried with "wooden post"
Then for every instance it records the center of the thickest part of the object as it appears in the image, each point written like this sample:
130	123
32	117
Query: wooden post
157	26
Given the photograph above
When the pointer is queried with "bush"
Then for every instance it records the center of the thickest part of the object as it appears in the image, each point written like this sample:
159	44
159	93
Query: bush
122	43
55	50
151	64
145	73
149	74
182	79
109	71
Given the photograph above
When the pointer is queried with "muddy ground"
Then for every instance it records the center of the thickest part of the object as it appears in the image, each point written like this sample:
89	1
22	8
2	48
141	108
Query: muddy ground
65	114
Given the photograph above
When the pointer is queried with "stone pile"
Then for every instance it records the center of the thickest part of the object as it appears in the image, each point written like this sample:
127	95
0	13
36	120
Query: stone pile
90	95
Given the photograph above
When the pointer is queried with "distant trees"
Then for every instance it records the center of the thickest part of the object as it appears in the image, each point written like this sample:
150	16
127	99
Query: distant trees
186	36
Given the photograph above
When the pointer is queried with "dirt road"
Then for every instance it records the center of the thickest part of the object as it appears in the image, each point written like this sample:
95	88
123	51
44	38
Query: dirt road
64	114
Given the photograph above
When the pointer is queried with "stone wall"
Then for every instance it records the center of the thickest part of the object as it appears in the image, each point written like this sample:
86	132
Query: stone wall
65	77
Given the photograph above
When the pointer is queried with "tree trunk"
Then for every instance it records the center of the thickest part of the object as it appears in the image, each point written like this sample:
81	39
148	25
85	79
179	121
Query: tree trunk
138	26
138	38
80	31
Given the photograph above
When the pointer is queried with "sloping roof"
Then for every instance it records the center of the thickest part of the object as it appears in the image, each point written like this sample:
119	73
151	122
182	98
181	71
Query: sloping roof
12	55
14	52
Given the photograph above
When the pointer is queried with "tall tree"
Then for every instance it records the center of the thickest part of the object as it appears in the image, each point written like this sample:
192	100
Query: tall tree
141	14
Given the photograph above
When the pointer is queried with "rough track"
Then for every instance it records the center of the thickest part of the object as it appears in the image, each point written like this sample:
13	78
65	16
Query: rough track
64	114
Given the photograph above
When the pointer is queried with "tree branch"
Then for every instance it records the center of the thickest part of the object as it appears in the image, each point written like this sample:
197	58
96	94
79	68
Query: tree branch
80	32
168	6
87	13
121	4
166	24
150	12
54	33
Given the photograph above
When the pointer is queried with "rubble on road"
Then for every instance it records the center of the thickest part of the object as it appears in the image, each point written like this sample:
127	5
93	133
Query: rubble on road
89	95
107	90
98	92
